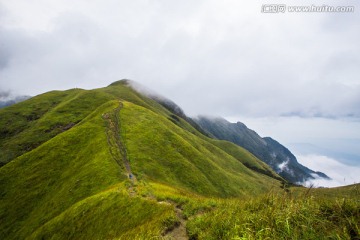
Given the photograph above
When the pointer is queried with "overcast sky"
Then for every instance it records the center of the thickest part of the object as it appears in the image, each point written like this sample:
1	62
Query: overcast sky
223	58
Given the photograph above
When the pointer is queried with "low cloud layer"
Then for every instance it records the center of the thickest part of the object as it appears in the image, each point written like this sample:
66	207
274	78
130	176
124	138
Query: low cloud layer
4	95
339	173
225	56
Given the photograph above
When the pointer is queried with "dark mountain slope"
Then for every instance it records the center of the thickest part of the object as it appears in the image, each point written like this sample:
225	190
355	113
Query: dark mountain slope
292	164
266	149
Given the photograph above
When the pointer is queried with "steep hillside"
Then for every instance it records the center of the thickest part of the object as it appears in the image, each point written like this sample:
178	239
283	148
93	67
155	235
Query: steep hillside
291	167
266	149
88	164
28	124
162	151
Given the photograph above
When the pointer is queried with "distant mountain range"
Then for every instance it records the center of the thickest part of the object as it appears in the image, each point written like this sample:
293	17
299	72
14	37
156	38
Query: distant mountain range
278	157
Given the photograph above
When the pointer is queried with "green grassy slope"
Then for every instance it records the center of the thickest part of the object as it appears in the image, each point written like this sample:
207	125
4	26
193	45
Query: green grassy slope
44	182
244	156
309	215
64	180
107	215
28	124
60	160
162	151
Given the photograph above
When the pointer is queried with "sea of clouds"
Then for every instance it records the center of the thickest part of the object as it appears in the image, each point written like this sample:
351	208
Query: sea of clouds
340	173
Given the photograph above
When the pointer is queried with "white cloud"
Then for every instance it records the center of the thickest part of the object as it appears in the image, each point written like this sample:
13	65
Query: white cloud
317	131
226	56
340	174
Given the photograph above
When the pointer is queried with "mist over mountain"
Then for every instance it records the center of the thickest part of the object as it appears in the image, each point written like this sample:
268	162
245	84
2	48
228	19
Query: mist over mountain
278	157
165	102
7	99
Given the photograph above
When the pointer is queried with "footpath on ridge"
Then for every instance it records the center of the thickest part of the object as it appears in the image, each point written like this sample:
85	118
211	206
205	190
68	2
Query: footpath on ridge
119	154
116	145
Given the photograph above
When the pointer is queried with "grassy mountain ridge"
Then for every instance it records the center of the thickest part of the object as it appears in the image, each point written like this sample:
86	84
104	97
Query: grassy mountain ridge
152	140
64	166
28	124
69	184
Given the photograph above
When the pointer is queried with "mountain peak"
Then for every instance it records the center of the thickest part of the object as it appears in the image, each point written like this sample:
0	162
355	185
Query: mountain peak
242	125
121	82
211	118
